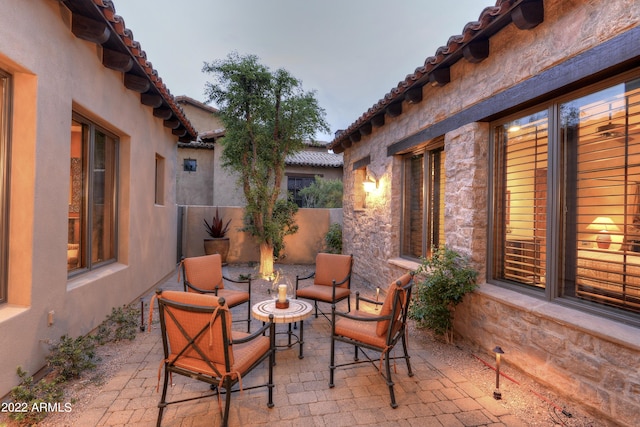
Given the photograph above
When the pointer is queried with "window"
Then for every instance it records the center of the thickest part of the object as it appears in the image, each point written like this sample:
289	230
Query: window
572	194
423	222
297	183
92	196
159	180
5	87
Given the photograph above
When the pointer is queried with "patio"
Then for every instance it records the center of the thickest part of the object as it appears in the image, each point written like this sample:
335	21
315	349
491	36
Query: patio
436	395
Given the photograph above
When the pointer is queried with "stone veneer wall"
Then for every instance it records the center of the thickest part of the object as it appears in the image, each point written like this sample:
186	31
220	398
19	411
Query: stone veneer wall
584	357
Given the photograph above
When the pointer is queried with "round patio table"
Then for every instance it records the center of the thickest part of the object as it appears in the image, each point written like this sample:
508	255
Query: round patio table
297	311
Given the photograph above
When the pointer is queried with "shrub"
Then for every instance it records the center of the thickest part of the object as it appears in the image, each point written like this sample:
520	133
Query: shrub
323	193
333	239
29	393
70	357
448	276
121	324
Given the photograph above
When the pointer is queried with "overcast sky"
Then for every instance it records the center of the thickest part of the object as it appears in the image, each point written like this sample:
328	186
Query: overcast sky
351	52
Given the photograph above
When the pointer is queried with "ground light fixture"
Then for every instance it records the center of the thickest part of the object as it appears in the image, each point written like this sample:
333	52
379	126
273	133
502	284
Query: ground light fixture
497	394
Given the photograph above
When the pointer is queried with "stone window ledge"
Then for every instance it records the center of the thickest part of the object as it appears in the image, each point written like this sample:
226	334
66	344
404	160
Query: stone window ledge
603	328
404	263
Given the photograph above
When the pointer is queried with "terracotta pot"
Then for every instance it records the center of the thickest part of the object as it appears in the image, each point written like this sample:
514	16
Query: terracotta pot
217	246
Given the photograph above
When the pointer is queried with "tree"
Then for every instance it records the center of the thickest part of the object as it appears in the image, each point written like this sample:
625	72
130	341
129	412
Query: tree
323	193
267	116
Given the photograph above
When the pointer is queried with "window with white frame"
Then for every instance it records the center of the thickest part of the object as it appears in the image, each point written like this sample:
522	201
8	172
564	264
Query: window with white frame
423	201
92	196
566	191
5	87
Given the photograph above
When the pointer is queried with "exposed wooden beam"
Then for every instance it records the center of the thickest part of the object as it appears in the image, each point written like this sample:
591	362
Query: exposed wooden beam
172	123
394	110
338	149
355	137
163	113
440	76
365	129
116	60
151	100
378	120
136	83
476	50
528	14
414	95
346	143
87	29
180	131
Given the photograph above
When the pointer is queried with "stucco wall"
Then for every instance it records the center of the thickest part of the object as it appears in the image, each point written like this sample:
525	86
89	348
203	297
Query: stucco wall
54	74
300	248
562	347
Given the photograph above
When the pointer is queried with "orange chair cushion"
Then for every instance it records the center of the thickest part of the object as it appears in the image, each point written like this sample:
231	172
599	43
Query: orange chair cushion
364	332
322	293
387	305
204	272
330	267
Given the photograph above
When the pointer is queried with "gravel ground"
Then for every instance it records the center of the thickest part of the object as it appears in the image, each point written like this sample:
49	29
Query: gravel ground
533	403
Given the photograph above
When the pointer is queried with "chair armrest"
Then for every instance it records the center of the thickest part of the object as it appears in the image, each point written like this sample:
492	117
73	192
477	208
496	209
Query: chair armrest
298	278
267	326
362	318
187	284
367	300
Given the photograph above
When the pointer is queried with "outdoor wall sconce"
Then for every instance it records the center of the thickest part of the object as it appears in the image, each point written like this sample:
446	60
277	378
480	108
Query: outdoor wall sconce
370	184
604	225
497	394
190	165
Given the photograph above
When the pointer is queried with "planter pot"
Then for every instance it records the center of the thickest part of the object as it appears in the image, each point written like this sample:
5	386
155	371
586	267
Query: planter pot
217	246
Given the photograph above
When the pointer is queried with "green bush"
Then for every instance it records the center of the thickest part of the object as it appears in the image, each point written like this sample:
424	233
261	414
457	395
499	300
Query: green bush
123	323
448	276
323	193
333	239
70	357
29	393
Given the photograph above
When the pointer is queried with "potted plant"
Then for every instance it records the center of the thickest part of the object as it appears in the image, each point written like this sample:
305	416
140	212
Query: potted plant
447	278
218	242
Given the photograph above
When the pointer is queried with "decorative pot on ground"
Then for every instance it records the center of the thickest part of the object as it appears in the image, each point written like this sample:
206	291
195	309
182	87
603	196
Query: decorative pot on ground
217	242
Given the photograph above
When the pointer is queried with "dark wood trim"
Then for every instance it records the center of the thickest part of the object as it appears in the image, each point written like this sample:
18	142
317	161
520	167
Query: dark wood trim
89	29
365	161
528	14
136	83
171	123
163	113
115	60
414	95
440	76
151	100
365	129
615	56
180	131
378	120
355	137
476	50
394	110
346	143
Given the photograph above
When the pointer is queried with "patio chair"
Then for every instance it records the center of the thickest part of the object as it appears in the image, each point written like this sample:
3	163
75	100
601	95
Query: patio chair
331	281
379	332
203	274
198	343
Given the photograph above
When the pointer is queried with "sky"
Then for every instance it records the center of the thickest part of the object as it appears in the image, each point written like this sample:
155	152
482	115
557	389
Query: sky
350	52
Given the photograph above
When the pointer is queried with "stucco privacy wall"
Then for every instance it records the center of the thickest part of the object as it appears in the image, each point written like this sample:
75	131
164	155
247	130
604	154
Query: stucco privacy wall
583	356
300	248
55	73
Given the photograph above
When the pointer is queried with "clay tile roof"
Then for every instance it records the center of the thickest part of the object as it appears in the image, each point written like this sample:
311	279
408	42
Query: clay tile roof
444	56
106	10
315	158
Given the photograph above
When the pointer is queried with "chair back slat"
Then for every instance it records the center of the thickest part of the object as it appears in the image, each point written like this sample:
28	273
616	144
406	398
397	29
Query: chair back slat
395	305
196	326
204	272
330	267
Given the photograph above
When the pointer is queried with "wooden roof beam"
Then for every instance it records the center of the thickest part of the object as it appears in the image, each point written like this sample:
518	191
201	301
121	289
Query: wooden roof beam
136	83
528	14
476	50
117	60
90	30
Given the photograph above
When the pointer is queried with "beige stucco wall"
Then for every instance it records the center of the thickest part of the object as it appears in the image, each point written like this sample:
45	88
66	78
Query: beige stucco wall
565	348
196	188
54	74
300	248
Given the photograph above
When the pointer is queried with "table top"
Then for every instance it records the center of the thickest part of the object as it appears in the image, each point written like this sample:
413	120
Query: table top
298	310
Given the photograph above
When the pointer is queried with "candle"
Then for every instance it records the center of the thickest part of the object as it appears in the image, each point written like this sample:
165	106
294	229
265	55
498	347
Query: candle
282	293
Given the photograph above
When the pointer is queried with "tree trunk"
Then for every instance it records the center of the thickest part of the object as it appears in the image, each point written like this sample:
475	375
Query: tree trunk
266	260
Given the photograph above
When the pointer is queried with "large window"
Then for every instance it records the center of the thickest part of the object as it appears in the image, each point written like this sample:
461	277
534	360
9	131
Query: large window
297	183
423	201
4	181
92	196
567	188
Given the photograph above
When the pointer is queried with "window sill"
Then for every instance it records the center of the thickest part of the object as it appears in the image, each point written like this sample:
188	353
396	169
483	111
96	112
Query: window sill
93	276
606	329
9	311
404	263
